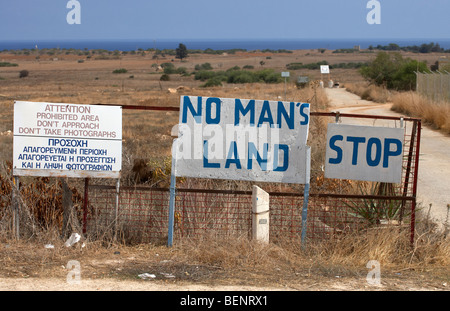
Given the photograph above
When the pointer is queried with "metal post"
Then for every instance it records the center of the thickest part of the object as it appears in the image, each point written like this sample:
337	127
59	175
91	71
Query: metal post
306	197
416	171
173	181
337	116
408	168
417	82
116	224
85	204
15	206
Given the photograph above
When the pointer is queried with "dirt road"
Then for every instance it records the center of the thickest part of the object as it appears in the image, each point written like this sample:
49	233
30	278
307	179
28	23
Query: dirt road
434	164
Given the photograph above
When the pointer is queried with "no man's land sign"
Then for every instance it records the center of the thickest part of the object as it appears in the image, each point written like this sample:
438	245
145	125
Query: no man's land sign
67	140
243	139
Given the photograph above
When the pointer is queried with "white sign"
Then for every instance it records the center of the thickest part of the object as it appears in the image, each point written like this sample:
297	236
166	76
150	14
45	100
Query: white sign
285	74
67	140
364	153
242	139
324	69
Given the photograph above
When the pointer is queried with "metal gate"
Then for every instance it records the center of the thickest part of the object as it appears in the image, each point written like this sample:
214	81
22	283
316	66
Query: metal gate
336	207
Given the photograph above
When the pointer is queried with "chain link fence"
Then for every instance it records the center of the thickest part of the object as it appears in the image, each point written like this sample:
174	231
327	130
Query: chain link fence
336	207
435	86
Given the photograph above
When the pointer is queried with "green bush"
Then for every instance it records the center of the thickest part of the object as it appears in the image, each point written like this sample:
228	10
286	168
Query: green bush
204	75
204	66
393	71
7	64
169	68
121	70
23	73
295	66
165	77
311	66
215	81
237	75
350	65
181	70
271	77
235	68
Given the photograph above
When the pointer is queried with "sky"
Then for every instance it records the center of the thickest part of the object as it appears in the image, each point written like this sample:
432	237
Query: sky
223	20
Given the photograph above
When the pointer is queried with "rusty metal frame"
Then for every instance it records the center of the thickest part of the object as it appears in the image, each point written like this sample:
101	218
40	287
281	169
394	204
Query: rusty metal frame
415	135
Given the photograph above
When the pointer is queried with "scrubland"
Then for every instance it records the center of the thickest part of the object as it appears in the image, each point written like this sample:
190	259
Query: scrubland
147	135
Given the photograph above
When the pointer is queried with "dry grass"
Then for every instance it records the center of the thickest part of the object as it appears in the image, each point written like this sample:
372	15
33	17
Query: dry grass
369	92
239	261
435	114
389	245
147	136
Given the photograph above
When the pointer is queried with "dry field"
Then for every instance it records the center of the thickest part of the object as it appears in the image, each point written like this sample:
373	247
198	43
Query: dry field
434	114
237	263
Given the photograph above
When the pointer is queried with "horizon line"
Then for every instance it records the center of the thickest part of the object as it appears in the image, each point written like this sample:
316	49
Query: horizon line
224	39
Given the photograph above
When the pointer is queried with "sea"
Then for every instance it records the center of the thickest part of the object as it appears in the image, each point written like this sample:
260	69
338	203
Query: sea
214	44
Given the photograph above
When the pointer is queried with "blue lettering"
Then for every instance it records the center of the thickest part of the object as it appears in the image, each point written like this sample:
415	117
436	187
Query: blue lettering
373	141
209	119
285	166
265	111
355	141
233	153
288	118
387	150
252	151
239	108
188	105
205	157
304	114
338	150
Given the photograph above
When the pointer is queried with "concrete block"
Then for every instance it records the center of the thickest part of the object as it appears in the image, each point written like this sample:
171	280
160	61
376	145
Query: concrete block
261	215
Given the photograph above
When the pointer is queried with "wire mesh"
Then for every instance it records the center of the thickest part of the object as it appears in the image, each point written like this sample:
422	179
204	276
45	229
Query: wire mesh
343	207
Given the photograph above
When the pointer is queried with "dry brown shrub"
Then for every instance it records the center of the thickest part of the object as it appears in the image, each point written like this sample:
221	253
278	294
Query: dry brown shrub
390	246
40	204
369	92
436	114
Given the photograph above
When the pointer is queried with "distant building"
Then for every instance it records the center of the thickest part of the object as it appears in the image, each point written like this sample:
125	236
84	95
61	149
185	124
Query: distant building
357	48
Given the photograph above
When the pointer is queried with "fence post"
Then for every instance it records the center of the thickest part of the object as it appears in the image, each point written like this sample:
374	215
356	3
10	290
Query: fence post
67	208
116	225
173	181
260	217
15	206
306	196
85	204
408	168
416	171
417	82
